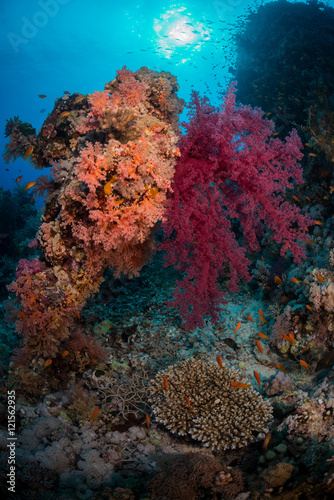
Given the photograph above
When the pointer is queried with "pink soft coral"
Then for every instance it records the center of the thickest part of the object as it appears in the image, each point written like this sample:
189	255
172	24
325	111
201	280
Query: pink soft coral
231	175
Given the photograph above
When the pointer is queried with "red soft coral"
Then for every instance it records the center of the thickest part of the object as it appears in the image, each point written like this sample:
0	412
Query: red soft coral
231	168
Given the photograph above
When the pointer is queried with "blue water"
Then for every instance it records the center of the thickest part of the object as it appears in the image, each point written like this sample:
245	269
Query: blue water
49	46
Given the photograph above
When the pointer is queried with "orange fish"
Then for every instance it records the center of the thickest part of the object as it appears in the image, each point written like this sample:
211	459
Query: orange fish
219	361
77	314
262	259
266	440
319	223
238	326
147	421
292	337
286	337
19	178
64	113
78	99
261	318
240	385
3	390
47	362
261	313
65	353
280	367
309	242
295	197
42	96
275	133
309	308
28	153
262	335
278	280
165	383
107	188
308	198
250	318
258	380
188	402
331	189
320	278
22	315
259	346
312	154
29	185
94	414
294	280
308	144
304	364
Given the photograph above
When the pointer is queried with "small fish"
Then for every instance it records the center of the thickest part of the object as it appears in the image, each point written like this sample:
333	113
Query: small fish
107	188
312	154
219	361
28	153
47	362
42	96
308	198
266	440
262	259
320	278
326	361
261	318
309	308
261	313
231	343
295	197
249	317
303	364
77	314
292	337
64	113
94	414
278	280
240	385
259	346
280	367
275	133
29	185
294	280
238	326
262	335
318	223
78	99
65	353
308	144
165	384
22	315
147	421
286	337
309	242
331	189
188	402
19	178
258	380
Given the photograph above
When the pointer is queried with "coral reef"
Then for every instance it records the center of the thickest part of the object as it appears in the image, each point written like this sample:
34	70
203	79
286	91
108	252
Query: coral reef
203	400
112	155
231	168
189	477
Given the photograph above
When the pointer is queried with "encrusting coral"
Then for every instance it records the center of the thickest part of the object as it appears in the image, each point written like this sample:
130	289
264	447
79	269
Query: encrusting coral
210	403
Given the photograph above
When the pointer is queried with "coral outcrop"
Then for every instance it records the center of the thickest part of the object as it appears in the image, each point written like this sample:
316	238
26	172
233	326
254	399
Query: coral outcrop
206	401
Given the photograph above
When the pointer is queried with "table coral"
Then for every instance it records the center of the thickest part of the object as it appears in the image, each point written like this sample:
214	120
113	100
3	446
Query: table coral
196	398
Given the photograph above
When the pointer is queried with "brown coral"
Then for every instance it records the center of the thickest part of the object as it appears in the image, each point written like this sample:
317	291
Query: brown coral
200	401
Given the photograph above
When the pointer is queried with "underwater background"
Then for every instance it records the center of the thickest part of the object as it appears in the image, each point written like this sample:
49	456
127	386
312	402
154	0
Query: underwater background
167	250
